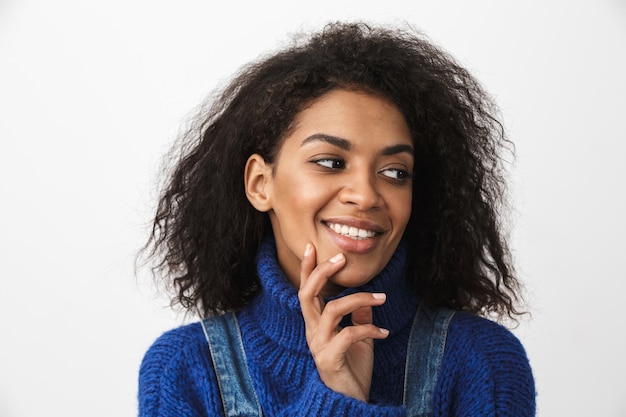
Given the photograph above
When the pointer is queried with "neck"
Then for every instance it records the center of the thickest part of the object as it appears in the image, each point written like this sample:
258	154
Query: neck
278	306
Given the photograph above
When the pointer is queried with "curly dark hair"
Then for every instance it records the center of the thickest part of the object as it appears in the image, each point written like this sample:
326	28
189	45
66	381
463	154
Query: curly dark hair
206	234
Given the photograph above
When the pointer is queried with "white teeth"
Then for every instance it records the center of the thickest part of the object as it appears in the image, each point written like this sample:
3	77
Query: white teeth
351	232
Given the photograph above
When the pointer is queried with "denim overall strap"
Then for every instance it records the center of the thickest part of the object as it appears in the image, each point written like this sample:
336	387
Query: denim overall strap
427	342
229	360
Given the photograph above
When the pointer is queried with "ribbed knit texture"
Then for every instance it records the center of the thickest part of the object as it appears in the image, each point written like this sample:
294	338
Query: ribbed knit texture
484	371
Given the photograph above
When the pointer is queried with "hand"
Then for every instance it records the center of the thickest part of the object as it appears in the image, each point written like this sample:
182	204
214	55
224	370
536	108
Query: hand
344	357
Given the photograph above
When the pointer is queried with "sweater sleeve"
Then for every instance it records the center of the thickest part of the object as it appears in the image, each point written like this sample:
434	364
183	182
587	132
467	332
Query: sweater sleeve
176	377
485	372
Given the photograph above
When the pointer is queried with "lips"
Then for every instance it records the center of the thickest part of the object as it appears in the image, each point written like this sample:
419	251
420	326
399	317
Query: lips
354	235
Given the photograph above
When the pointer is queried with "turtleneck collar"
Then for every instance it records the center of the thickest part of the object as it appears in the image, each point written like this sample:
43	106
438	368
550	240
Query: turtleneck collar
277	307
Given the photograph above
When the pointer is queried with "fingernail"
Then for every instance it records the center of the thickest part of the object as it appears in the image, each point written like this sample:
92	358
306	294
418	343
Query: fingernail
336	258
379	295
384	331
307	249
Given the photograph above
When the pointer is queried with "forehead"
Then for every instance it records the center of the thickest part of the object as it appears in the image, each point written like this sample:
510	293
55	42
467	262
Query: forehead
360	118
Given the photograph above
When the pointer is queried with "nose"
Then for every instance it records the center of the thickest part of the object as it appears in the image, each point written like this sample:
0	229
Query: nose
361	190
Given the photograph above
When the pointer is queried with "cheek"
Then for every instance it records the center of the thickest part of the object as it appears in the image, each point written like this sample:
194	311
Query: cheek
298	199
402	209
303	192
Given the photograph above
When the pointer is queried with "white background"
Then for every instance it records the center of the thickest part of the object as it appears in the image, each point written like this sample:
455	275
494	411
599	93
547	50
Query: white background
92	94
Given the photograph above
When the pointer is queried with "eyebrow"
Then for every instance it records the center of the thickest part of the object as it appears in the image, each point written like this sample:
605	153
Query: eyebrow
333	140
346	145
395	149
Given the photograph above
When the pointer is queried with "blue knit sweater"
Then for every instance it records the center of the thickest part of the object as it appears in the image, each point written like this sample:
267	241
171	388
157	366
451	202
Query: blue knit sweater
484	371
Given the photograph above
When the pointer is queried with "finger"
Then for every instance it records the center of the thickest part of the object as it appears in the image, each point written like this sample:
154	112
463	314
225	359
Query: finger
346	338
310	304
335	310
362	316
317	278
312	281
308	263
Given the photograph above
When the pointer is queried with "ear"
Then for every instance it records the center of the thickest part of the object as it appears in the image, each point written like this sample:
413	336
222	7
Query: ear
257	179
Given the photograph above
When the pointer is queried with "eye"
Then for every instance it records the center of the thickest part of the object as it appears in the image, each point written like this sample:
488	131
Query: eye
331	163
397	174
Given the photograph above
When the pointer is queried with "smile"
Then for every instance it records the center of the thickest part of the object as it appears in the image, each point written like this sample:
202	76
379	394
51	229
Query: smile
351	232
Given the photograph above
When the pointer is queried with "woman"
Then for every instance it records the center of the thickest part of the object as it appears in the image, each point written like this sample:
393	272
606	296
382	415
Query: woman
335	214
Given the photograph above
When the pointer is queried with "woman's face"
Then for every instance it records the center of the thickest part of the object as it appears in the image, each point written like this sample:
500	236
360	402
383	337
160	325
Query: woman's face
341	181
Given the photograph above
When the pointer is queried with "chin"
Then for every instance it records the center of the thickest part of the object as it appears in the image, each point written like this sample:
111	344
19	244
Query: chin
353	277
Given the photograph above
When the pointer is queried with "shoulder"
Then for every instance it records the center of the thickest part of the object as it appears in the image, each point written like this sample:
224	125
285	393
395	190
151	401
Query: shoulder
174	346
177	374
473	333
486	364
184	333
478	342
